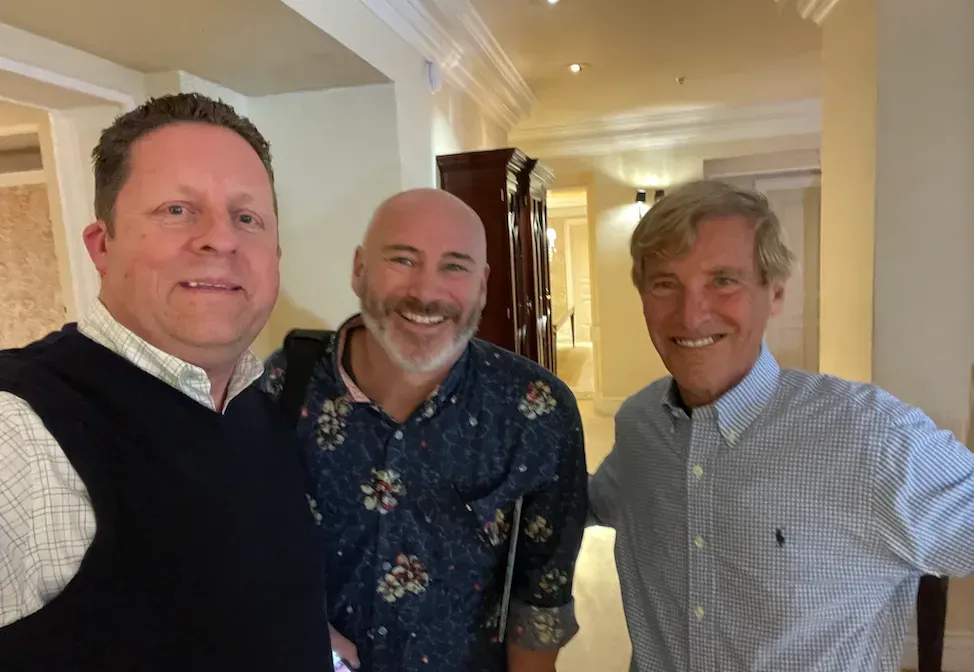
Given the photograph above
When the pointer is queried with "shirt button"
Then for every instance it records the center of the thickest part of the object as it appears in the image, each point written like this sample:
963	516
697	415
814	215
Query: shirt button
382	630
398	434
699	612
699	542
698	471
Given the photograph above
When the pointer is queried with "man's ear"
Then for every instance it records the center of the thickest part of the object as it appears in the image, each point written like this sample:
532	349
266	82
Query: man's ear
97	239
483	283
777	298
358	271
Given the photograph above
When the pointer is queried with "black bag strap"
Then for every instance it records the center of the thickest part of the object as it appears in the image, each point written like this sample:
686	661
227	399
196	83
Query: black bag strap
302	350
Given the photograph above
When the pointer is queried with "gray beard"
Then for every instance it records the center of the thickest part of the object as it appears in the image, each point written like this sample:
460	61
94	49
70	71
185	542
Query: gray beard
433	362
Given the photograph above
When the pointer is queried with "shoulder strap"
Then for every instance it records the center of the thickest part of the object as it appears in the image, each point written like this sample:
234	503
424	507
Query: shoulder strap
302	349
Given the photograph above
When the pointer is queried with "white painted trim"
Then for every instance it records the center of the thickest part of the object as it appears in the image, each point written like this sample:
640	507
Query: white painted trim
112	96
22	177
451	34
49	61
563	199
568	212
814	10
654	129
19	129
777	183
958	651
608	406
77	210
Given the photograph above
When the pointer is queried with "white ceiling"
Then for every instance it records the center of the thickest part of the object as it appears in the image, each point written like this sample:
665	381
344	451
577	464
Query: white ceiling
730	52
255	47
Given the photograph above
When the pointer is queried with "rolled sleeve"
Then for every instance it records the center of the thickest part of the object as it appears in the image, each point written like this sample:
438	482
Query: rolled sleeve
542	612
542	628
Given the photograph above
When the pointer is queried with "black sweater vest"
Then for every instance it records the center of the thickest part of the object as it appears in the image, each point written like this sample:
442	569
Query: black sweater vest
206	555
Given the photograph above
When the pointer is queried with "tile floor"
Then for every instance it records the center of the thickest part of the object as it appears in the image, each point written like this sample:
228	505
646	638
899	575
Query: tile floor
602	644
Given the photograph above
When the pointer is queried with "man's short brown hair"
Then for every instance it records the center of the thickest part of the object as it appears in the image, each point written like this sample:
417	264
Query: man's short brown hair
111	156
669	229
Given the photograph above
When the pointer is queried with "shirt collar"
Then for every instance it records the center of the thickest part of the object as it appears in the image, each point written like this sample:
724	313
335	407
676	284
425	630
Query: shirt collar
446	390
99	325
738	407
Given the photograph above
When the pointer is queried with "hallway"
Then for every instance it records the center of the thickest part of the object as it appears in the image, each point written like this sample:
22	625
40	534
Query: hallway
602	644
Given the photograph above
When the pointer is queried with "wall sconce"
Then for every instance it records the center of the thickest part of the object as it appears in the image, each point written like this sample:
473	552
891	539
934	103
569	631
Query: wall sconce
641	206
642	202
551	234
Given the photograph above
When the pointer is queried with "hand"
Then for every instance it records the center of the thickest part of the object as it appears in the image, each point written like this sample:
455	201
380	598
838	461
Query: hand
344	648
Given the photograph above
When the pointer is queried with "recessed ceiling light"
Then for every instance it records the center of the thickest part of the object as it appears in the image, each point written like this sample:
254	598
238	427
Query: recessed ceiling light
552	2
575	67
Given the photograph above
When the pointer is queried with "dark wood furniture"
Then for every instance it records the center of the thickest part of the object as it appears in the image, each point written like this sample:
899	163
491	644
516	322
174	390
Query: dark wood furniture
509	190
931	619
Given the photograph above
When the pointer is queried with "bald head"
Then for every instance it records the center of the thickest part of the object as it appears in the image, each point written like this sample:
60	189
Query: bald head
421	276
427	214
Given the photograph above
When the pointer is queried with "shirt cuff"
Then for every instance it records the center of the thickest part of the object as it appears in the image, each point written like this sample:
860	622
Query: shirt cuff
541	628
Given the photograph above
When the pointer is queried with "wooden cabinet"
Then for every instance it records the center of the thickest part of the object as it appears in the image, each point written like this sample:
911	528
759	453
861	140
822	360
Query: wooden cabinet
508	190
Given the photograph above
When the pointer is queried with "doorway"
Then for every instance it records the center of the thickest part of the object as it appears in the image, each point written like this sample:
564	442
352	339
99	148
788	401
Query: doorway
571	289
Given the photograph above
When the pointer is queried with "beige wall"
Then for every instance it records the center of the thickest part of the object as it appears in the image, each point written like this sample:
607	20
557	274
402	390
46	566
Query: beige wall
20	115
848	190
923	342
460	125
30	289
560	269
581	279
336	158
897	242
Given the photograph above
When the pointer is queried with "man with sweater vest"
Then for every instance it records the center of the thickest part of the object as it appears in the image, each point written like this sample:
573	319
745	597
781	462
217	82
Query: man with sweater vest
153	513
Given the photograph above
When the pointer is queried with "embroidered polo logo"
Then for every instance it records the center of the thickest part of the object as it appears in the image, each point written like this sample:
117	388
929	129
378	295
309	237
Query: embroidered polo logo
779	537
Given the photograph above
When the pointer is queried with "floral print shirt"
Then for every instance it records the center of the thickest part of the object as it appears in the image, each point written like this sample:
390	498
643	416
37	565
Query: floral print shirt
419	516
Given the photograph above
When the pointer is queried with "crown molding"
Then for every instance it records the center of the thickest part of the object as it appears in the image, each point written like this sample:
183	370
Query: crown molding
452	35
655	129
814	10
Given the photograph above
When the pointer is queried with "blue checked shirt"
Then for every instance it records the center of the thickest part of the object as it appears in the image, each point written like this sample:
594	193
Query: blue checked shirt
783	527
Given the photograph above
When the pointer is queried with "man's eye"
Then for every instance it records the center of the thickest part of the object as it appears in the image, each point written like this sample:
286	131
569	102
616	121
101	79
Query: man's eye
724	282
176	210
402	260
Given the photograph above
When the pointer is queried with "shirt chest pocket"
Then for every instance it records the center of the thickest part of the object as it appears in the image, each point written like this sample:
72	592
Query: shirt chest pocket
474	532
777	545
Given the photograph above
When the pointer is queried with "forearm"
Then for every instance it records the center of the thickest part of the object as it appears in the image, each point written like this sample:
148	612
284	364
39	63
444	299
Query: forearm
526	660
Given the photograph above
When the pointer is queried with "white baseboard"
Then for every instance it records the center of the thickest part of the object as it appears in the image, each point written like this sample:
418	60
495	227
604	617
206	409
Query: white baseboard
958	651
608	406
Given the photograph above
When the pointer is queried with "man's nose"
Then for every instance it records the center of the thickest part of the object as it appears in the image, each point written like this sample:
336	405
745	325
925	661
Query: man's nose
217	232
424	283
695	309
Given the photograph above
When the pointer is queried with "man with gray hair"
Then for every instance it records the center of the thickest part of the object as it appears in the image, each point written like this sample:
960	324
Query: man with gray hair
767	519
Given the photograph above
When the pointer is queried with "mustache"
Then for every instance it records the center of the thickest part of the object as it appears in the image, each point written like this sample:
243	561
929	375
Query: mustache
431	309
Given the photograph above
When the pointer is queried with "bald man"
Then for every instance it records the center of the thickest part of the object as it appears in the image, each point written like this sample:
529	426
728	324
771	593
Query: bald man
436	457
